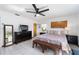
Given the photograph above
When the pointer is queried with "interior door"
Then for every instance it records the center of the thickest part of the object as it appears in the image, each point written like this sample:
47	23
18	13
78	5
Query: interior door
35	29
8	35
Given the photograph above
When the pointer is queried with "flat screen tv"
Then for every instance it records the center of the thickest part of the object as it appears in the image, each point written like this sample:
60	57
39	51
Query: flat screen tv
24	28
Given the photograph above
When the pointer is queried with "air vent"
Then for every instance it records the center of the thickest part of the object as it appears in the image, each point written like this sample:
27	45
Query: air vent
17	14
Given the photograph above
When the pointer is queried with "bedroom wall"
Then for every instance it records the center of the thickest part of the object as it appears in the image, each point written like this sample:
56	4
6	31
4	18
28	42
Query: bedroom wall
9	18
73	24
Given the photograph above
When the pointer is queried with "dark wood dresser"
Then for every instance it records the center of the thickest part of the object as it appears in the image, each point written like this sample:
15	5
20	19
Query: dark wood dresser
72	39
22	36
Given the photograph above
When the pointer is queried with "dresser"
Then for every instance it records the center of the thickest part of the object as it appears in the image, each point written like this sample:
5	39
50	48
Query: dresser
72	39
22	36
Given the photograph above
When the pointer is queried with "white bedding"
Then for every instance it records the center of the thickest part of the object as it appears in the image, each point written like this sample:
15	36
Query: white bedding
55	39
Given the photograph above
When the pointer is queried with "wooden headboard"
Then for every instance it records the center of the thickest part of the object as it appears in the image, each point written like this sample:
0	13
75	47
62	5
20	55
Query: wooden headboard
59	24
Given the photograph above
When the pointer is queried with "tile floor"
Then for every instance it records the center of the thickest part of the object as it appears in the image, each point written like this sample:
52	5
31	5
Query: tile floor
25	48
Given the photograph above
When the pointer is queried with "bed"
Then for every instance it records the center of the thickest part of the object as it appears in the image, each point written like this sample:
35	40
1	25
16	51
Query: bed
55	39
56	35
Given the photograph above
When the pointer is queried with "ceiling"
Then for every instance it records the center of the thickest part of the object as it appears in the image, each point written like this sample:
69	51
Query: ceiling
55	10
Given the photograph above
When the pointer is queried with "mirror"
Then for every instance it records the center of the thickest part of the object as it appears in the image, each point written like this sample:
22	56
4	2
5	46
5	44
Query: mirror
8	35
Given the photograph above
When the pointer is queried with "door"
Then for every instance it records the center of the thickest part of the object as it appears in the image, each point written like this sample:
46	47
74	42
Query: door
8	35
35	29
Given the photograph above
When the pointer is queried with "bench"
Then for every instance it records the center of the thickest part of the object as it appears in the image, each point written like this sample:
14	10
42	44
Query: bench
45	45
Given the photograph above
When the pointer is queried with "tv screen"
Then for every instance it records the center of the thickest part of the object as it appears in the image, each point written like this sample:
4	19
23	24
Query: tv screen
24	27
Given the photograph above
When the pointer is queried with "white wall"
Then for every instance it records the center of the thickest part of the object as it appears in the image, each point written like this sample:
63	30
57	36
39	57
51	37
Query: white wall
8	18
73	23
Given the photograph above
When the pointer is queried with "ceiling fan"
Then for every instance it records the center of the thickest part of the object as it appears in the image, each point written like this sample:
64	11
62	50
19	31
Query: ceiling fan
37	10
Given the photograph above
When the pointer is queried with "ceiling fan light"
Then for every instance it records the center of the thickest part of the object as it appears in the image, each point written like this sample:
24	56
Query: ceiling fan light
37	15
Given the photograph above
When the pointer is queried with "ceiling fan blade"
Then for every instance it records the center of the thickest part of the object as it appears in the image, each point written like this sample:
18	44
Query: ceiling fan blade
43	7
35	7
30	12
42	14
44	10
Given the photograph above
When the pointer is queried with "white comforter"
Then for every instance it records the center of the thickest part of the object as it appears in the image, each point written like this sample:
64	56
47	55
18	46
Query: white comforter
55	39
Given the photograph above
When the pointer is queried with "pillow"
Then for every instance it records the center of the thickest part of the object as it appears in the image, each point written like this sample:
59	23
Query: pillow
59	32
62	32
49	31
56	31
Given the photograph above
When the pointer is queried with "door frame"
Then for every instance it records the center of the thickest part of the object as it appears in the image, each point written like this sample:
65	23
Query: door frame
4	44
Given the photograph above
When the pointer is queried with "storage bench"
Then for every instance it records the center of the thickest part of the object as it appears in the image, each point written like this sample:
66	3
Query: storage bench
45	45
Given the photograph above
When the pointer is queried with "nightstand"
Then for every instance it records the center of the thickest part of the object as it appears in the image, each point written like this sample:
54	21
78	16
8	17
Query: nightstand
72	39
42	33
